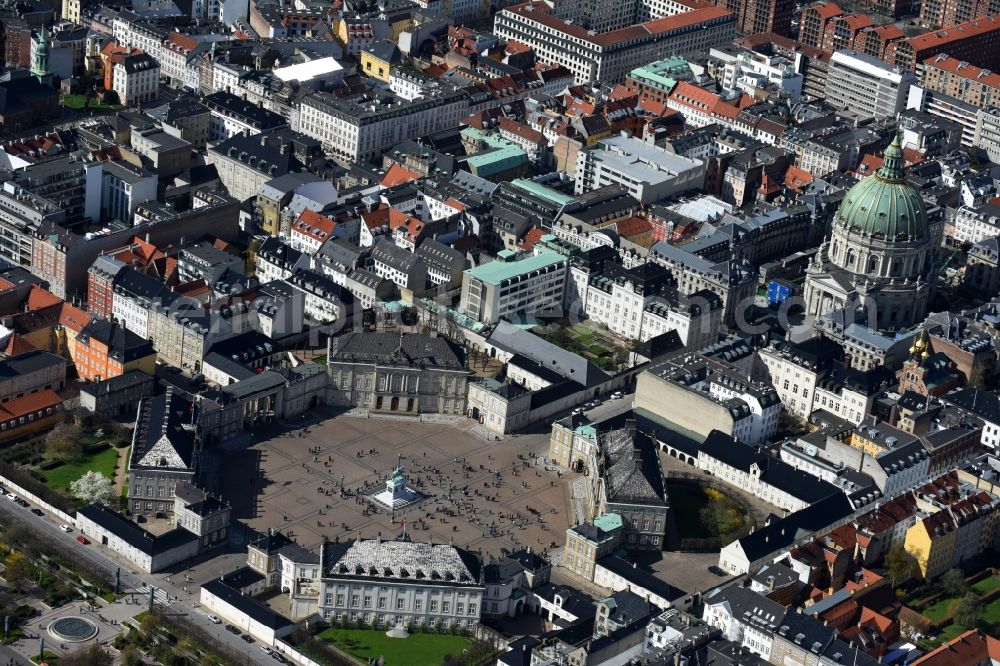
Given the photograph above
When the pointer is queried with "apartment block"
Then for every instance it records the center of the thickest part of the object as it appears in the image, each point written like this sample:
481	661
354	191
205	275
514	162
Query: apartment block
609	57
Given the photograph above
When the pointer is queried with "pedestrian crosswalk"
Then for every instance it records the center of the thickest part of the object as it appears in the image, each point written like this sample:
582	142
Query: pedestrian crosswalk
159	596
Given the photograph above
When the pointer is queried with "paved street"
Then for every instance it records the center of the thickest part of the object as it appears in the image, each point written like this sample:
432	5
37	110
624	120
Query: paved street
172	595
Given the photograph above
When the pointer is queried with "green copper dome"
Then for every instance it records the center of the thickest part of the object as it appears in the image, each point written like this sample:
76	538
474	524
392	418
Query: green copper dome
884	205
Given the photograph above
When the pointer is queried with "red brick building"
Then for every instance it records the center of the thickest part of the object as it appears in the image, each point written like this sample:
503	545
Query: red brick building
946	13
841	31
814	21
101	285
754	17
977	42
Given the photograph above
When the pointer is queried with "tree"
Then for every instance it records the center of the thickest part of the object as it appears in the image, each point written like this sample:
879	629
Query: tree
92	656
130	656
149	624
953	584
968	610
900	565
63	442
93	488
19	571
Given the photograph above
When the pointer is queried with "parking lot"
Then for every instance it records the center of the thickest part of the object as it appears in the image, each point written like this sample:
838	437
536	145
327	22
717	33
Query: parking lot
486	495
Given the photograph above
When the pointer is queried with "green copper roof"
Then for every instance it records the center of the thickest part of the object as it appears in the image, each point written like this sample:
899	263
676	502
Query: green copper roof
543	191
608	522
663	74
884	205
497	271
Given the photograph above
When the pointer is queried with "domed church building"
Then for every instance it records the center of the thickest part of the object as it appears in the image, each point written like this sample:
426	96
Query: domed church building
881	252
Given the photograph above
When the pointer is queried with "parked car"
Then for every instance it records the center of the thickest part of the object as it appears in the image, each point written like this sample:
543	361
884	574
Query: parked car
11	496
66	528
82	539
21	502
38	512
278	658
265	649
231	629
716	570
214	619
617	395
247	638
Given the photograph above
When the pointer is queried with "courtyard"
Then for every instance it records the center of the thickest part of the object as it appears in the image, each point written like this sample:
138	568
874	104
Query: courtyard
416	649
485	495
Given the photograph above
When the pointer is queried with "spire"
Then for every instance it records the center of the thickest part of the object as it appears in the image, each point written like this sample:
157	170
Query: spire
892	165
40	61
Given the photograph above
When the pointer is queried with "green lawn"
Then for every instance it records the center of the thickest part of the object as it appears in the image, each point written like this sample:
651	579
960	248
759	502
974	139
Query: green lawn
948	633
938	610
991	615
585	341
417	650
987	585
79	102
105	462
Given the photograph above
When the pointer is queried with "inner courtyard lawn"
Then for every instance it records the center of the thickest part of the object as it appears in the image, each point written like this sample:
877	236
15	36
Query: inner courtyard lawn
417	650
105	462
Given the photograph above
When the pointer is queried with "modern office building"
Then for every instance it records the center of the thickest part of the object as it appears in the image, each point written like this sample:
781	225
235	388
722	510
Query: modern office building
866	86
511	286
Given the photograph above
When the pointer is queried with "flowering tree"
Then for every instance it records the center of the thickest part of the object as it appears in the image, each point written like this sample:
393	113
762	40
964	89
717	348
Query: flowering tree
93	488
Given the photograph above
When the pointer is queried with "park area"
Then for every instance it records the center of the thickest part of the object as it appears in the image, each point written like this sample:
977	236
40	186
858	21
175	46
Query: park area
87	103
49	464
953	605
589	341
706	518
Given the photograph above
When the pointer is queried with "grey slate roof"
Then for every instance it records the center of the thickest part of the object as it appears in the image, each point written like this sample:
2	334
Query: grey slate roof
390	254
435	564
633	473
165	437
410	349
572	366
29	362
134	535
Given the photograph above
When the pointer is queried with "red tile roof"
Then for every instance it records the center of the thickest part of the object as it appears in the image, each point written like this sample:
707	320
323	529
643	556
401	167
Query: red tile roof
16	344
398	175
890	31
28	404
964	70
520	129
797	178
533	236
540	12
514	46
633	226
868	165
183	41
954	33
376	218
828	10
314	225
39	298
970	649
414	227
73	318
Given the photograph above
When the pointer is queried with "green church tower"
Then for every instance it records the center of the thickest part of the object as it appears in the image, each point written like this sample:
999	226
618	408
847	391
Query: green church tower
40	63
